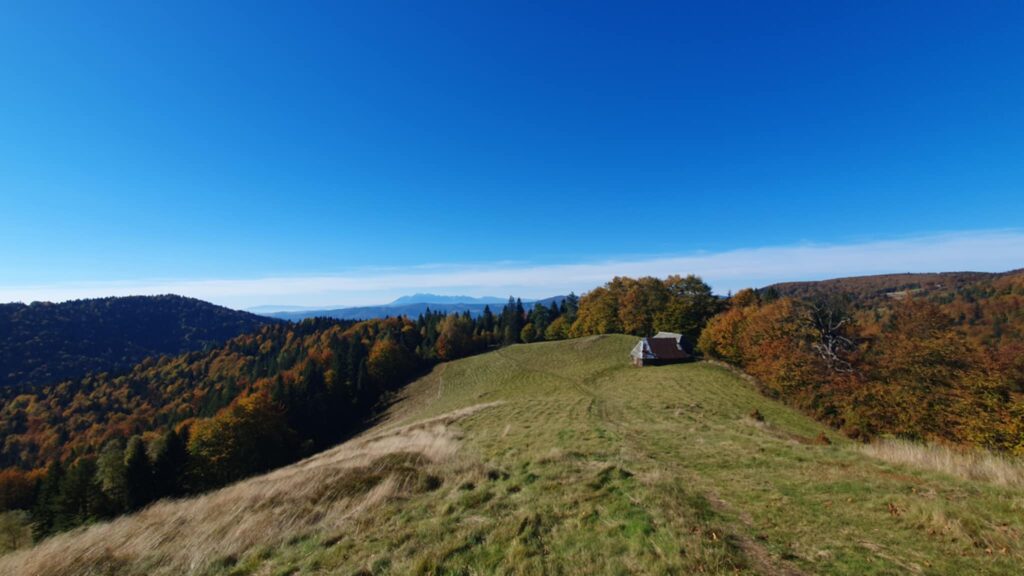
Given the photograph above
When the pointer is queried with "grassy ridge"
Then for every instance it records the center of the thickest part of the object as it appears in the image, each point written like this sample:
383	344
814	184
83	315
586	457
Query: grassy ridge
570	462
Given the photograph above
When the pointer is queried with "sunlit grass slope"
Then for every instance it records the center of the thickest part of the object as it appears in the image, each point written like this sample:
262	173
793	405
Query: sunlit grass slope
559	458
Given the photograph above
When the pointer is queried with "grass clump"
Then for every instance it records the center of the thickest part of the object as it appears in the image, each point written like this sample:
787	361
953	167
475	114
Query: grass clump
974	464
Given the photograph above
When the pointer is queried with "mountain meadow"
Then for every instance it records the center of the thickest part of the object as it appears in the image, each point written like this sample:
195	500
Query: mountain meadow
559	458
855	426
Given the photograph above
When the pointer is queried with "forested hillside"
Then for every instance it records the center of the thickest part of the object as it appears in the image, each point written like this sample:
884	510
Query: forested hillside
870	290
939	359
92	448
44	343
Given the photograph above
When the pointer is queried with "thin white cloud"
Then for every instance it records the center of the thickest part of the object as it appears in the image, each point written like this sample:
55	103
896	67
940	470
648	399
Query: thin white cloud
728	270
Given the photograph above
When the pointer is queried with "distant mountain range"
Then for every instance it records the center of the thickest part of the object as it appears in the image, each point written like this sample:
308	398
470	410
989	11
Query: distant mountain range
270	308
439	299
411	306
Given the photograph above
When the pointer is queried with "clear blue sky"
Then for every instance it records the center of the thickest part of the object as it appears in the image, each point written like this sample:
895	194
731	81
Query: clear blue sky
184	141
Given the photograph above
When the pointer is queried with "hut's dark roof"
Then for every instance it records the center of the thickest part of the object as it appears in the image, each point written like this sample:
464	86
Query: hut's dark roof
666	349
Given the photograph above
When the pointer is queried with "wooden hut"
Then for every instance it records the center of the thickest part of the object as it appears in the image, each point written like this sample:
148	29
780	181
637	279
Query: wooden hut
662	348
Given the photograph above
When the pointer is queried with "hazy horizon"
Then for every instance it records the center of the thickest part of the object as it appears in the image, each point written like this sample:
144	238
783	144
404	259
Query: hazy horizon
980	251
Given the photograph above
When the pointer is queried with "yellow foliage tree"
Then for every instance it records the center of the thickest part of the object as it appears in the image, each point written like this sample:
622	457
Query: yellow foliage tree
248	437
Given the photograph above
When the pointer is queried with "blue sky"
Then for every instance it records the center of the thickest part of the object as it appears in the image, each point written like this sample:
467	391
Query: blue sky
394	147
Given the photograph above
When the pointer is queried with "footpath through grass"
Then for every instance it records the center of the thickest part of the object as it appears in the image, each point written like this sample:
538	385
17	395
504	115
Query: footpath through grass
588	466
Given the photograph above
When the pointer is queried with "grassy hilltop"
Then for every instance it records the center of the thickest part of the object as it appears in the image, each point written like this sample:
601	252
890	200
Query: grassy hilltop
558	458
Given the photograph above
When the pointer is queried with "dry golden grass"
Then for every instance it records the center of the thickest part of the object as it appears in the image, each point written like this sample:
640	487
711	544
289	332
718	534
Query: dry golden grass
210	532
967	464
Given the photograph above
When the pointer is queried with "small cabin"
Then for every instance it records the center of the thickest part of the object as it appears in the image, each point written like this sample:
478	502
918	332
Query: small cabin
662	348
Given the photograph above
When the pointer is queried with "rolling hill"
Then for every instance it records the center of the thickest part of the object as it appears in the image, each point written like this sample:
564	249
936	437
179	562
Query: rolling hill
43	342
559	458
878	288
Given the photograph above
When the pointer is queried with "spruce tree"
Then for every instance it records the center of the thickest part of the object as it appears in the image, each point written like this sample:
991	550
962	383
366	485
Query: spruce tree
80	500
169	465
487	319
570	305
47	507
138	475
110	473
518	320
362	385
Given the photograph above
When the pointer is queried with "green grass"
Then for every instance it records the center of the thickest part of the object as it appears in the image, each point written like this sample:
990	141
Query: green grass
590	466
600	468
584	465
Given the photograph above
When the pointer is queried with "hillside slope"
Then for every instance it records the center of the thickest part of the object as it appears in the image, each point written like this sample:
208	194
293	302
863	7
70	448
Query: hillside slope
871	290
44	343
559	458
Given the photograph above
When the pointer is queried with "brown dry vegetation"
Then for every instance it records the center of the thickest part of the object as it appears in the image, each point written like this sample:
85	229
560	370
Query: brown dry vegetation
211	532
969	464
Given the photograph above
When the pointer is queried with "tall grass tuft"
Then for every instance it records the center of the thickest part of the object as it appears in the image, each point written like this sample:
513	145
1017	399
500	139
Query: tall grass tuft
975	464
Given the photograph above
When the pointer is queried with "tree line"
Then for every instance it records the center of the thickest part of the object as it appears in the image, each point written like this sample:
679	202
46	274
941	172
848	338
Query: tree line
645	306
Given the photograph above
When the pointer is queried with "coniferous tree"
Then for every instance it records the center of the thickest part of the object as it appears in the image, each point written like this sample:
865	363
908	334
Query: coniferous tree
540	318
138	475
47	507
169	465
309	414
110	473
570	307
80	500
362	396
512	317
487	319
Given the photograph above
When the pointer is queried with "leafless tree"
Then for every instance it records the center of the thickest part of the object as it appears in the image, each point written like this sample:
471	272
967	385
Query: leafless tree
830	320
